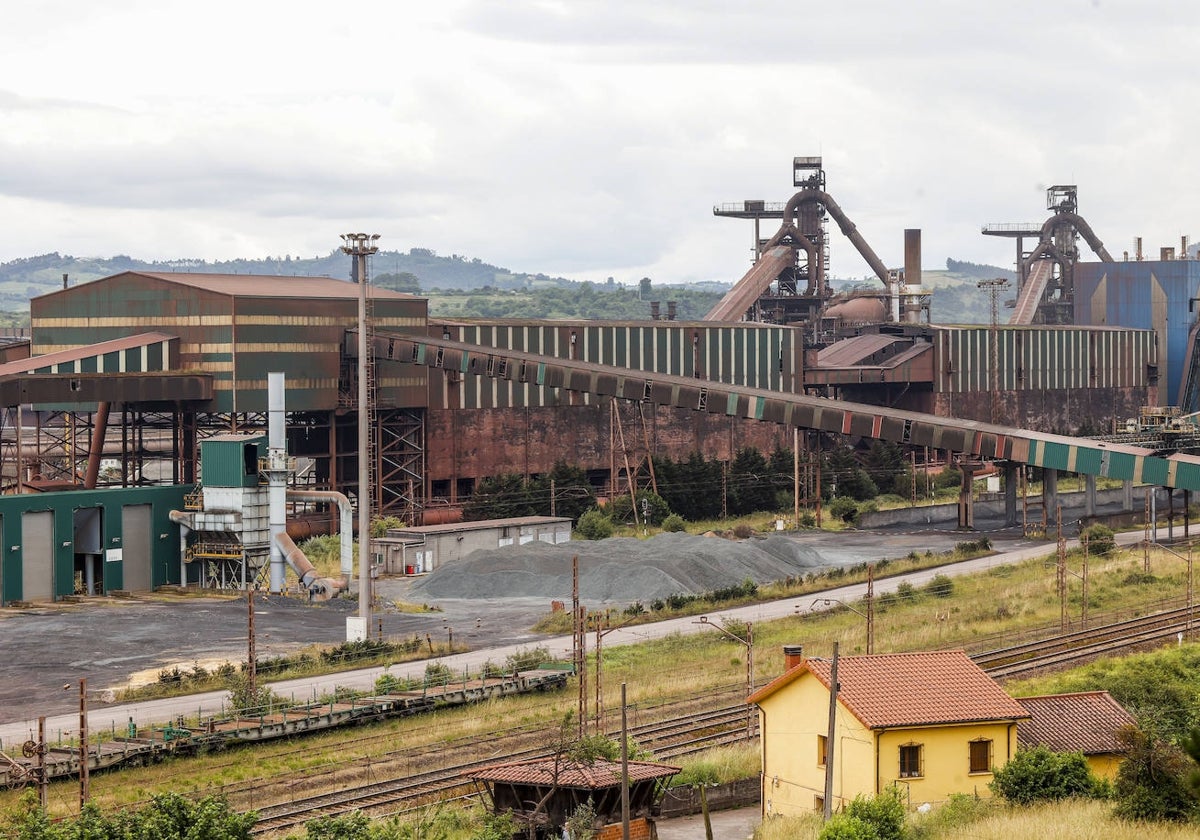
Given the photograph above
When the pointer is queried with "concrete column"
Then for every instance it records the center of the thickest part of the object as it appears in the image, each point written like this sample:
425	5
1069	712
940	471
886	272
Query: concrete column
1010	493
1050	496
1089	495
1127	489
966	506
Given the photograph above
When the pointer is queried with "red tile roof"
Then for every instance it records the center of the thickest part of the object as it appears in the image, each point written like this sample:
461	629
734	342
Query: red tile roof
571	774
1085	722
909	689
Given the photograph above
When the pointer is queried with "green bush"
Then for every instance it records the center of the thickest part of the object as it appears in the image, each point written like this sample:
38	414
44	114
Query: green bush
594	525
1100	539
1152	783
527	659
651	508
674	523
844	508
948	478
884	813
941	586
845	827
1042	775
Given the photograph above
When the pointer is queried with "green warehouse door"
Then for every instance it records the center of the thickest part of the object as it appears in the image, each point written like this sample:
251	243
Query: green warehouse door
135	547
37	556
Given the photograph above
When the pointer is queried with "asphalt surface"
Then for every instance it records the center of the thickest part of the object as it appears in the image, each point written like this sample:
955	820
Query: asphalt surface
46	650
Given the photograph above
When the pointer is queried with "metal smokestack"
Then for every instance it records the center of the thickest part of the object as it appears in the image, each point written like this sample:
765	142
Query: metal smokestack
277	476
912	275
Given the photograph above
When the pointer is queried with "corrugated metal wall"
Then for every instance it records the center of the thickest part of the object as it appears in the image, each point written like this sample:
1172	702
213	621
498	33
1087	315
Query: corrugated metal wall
246	336
1041	358
754	355
1152	295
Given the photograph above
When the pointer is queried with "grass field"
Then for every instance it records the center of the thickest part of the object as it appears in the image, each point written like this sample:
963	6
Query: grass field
982	611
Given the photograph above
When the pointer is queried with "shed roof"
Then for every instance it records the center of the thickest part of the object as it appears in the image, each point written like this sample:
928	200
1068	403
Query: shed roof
572	774
909	689
60	357
478	525
1086	722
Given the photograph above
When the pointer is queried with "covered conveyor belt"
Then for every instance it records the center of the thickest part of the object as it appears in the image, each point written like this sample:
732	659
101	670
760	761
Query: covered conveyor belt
982	440
1032	292
738	300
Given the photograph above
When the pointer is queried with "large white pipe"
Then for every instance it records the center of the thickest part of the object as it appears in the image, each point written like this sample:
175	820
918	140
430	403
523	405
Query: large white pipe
184	521
345	526
277	476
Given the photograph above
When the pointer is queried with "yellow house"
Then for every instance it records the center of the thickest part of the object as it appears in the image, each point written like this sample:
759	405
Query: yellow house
932	723
1087	722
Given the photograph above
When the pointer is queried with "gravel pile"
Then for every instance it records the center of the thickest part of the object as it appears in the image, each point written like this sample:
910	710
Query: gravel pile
620	570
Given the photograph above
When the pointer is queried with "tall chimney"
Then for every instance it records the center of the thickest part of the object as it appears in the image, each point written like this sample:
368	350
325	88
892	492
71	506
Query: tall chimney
64	279
911	306
671	310
793	655
1137	248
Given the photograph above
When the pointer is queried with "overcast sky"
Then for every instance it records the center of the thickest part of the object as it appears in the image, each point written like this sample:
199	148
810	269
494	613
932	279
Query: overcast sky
587	138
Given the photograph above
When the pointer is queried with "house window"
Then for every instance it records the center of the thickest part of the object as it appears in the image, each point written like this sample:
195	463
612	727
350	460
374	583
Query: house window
910	761
981	756
822	744
818	803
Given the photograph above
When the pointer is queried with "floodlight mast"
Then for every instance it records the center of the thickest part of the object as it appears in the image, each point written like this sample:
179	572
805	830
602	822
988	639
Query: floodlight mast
360	246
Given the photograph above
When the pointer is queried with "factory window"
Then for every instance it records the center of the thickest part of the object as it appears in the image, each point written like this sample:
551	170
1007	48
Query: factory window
250	459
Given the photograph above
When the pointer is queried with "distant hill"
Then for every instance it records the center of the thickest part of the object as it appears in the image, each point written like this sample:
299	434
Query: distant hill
459	286
419	269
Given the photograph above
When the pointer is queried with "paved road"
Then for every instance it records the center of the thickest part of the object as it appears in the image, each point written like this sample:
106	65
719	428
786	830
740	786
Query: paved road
116	717
736	824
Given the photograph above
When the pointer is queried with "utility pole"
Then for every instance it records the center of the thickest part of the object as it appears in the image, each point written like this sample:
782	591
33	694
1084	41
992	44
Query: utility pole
84	793
251	654
870	609
796	477
360	246
831	734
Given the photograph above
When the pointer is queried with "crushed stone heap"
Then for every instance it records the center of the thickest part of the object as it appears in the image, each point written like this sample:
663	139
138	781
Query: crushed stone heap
621	570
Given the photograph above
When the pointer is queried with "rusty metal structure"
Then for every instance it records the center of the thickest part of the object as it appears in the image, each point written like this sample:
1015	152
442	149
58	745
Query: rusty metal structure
164	361
1046	272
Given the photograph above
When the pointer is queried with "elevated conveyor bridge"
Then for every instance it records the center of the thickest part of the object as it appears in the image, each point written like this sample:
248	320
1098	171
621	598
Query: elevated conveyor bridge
973	438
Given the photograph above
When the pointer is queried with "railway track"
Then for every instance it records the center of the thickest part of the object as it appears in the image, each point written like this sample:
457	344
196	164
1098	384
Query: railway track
1082	645
695	731
670	738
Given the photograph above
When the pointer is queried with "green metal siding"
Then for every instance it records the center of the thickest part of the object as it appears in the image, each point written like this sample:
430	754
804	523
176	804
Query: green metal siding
164	536
222	462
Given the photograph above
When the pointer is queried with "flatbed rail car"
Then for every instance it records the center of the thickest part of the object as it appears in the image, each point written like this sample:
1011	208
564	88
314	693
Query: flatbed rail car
143	748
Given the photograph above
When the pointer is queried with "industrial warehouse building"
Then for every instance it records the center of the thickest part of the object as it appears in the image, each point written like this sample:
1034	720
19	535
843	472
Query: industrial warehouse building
422	548
439	427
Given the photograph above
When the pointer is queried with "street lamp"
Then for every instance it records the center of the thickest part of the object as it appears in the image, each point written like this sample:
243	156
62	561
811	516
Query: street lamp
360	246
869	615
747	643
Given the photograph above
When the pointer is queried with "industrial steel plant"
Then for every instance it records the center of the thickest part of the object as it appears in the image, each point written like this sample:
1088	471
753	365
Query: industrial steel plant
147	442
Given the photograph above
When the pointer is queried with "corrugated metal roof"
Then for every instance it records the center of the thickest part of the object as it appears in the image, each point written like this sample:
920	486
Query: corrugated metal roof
910	689
572	774
1086	722
851	351
260	285
87	351
478	525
